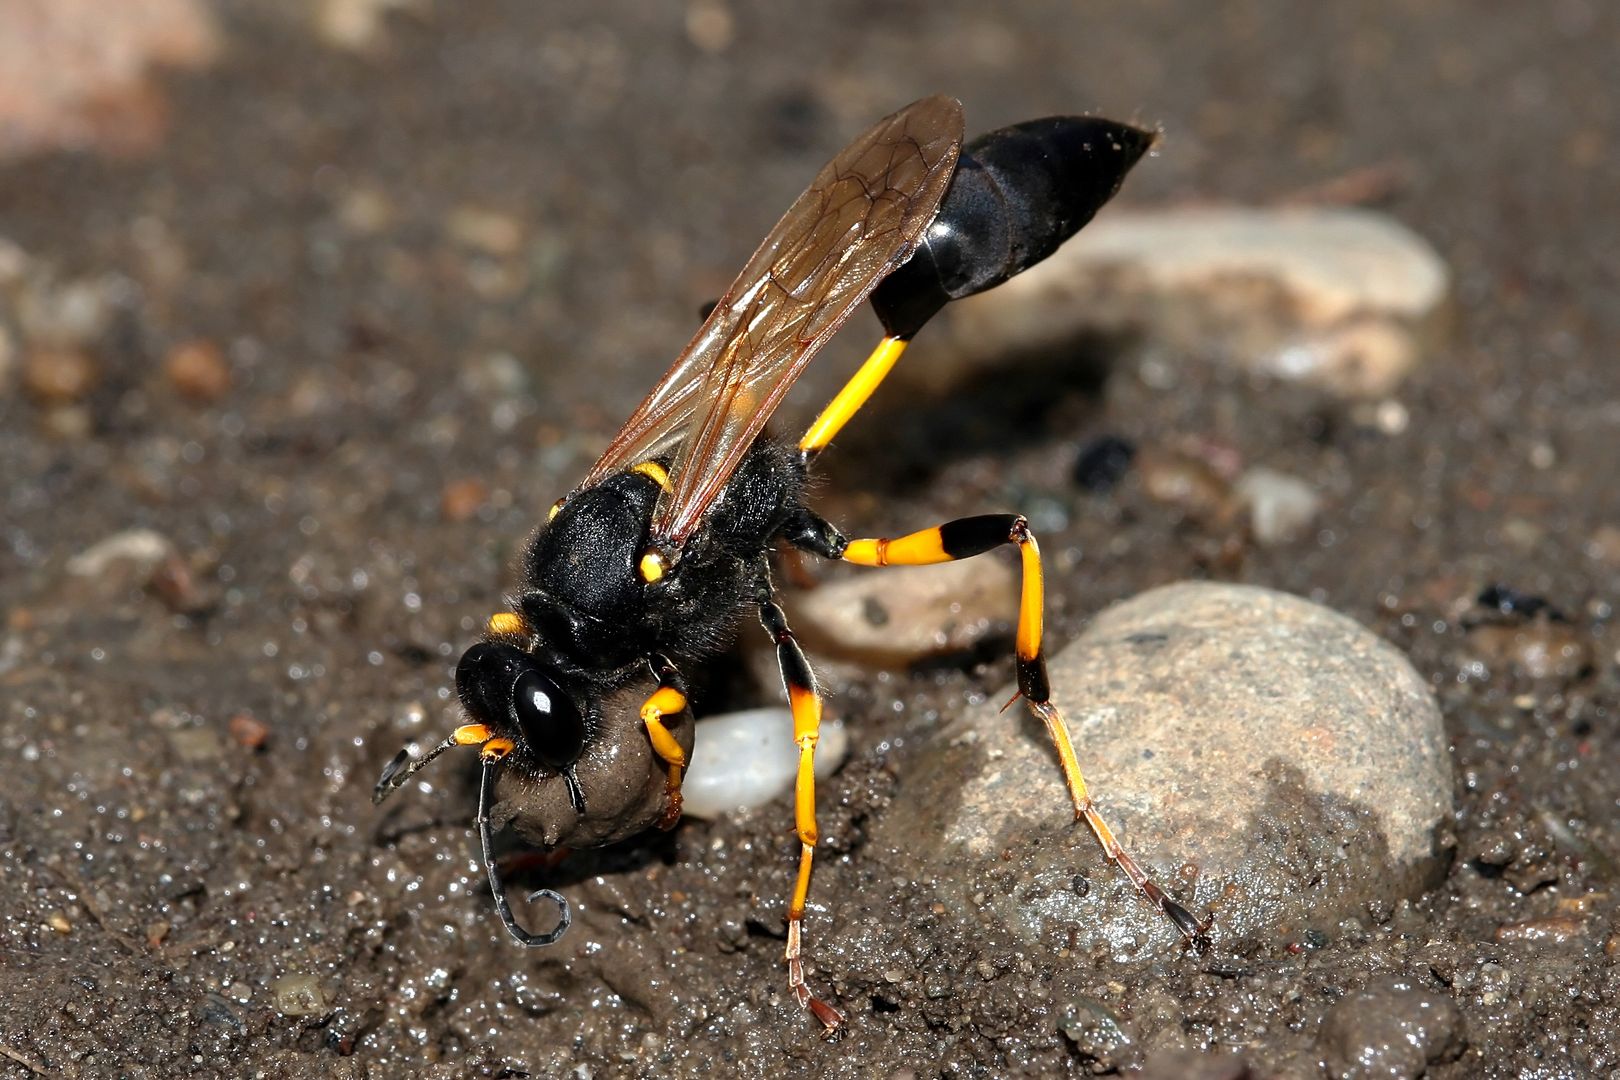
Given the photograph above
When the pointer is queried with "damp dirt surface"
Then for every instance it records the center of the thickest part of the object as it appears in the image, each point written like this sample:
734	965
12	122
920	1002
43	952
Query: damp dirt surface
438	269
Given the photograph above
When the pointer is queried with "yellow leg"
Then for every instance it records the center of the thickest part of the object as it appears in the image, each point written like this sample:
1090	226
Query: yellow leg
963	539
805	702
664	702
854	394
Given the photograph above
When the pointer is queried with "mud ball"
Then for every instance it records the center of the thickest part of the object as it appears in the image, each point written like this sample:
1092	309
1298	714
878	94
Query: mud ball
1392	1030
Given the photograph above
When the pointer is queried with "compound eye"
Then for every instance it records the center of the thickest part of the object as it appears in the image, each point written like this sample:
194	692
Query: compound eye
500	686
551	724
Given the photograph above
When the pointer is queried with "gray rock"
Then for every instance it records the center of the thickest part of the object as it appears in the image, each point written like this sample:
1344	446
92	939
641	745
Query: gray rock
1288	761
1346	299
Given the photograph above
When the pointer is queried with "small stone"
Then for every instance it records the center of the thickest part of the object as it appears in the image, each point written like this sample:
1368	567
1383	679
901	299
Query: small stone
1291	758
59	376
1096	1031
74	73
1103	463
198	372
461	499
248	731
899	615
1391	1031
298	995
1281	507
365	210
1604	546
196	745
710	25
1188	483
1506	600
67	423
1553	930
1345	299
745	759
174	583
487	231
1541	648
357	25
144	549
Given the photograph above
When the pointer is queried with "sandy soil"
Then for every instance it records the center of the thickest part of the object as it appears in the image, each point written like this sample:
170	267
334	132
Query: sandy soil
440	270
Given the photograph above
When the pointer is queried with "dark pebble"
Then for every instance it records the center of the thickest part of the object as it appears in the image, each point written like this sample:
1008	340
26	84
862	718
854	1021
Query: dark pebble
1103	463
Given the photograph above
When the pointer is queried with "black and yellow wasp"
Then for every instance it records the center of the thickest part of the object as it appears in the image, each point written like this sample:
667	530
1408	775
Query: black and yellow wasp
641	571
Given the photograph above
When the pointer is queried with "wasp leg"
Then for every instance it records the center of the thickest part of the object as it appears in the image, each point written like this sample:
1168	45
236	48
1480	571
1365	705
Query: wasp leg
667	701
962	539
492	753
854	394
805	700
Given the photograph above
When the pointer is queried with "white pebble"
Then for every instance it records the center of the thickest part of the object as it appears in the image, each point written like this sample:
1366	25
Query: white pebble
144	548
745	759
1281	507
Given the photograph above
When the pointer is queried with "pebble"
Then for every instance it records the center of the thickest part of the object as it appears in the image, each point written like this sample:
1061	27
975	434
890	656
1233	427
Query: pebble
745	759
176	585
461	499
198	372
1345	299
1539	648
75	72
1604	546
901	614
1392	1031
298	995
59	376
1554	930
357	25
1103	463
1290	759
1188	483
1281	507
67	423
248	730
488	231
144	549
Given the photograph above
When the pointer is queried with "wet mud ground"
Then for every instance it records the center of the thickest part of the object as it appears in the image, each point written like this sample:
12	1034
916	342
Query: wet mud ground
440	273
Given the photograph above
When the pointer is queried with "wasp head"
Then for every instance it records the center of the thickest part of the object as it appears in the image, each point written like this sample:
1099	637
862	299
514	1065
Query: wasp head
508	691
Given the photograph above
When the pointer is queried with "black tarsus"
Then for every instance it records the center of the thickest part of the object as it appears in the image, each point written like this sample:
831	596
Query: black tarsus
809	531
1017	194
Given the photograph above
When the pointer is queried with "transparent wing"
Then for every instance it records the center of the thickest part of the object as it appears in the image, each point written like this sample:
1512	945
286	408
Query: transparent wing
860	218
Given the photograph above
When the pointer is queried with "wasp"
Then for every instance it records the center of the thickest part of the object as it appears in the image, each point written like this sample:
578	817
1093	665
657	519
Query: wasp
645	568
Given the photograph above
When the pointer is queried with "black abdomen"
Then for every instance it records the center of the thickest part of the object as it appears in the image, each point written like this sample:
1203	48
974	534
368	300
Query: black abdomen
1017	194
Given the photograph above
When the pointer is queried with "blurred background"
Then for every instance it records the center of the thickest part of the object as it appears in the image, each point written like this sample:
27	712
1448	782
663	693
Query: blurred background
308	310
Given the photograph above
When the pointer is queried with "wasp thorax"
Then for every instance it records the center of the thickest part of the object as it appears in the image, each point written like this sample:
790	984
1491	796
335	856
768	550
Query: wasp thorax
503	687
